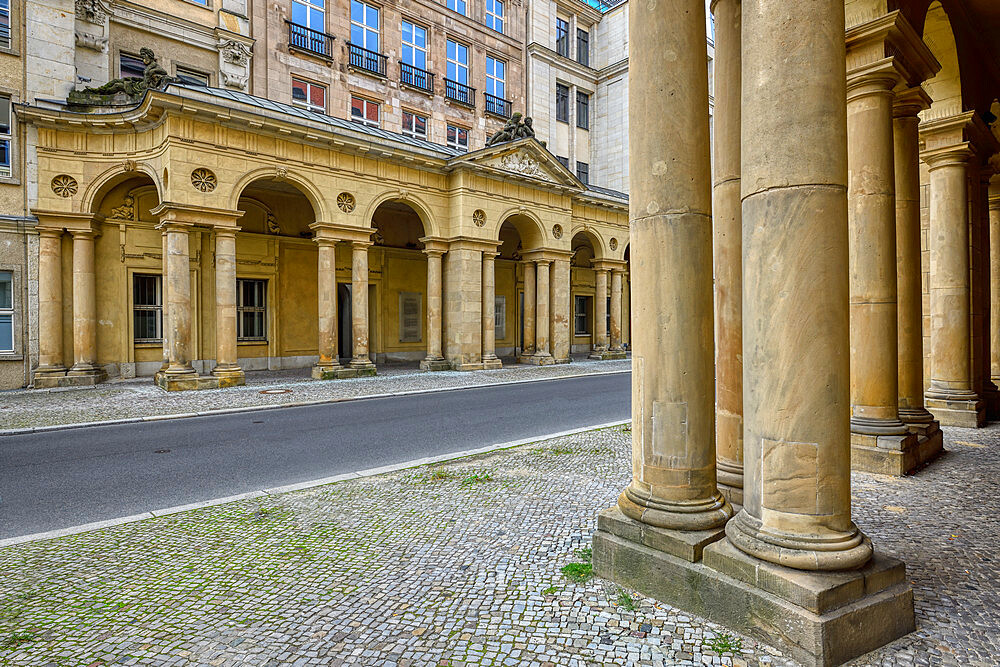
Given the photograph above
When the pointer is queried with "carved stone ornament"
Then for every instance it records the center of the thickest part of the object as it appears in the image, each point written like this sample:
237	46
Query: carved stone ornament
557	231
345	202
479	217
234	63
126	211
280	174
235	52
91	11
64	185
87	41
520	163
126	89
203	179
613	243
515	128
272	224
377	238
129	165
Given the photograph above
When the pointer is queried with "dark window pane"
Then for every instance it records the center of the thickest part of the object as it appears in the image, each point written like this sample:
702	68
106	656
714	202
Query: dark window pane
131	66
562	103
562	37
583	47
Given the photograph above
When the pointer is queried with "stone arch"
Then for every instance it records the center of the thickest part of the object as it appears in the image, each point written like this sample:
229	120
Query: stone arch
296	180
596	240
528	225
946	87
111	178
276	207
419	207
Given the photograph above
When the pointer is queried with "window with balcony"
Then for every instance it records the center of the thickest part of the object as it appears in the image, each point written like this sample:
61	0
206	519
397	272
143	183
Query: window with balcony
308	95
583	110
130	65
6	136
413	66
562	103
583	172
458	137
364	111
4	24
496	89
309	14
562	37
457	74
147	308
494	14
364	44
251	310
192	76
307	28
458	6
414	125
583	47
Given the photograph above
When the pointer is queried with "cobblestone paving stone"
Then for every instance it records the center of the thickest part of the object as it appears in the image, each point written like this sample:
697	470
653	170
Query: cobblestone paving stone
140	398
457	565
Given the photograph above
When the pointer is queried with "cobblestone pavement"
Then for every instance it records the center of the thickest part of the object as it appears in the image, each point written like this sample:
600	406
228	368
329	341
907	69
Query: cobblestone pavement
460	564
140	398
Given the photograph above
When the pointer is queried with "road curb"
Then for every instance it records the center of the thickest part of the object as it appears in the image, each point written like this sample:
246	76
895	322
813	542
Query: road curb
294	404
300	486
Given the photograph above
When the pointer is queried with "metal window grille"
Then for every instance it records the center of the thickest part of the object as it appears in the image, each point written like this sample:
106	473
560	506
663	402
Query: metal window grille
409	317
581	316
251	310
147	308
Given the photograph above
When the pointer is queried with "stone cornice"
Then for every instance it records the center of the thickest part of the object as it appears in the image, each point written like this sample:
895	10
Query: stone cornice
51	221
434	244
891	36
472	243
200	216
965	128
546	255
547	55
341	233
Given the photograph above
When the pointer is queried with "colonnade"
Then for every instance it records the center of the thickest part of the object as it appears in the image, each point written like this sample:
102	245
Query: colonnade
608	340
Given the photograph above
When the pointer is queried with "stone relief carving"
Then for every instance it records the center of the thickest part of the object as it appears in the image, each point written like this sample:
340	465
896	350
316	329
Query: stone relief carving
557	231
613	243
520	163
91	11
129	165
203	179
64	185
377	237
345	202
272	224
126	89
234	63
126	211
479	217
87	41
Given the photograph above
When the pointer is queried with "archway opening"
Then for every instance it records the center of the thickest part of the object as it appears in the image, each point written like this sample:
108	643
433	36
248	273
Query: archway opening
583	293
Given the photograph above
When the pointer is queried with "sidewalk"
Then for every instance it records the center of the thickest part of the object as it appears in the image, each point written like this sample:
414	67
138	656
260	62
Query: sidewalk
461	564
139	398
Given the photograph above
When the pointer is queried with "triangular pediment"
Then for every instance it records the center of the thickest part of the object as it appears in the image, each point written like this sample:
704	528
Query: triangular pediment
522	159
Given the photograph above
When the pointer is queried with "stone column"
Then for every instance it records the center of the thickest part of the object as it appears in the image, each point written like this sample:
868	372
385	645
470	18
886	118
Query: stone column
909	311
600	344
542	356
796	370
463	301
165	299
727	249
615	342
326	286
528	346
673	378
490	359
560	305
50	305
994	208
359	306
434	361
227	367
177	314
871	220
950	398
84	306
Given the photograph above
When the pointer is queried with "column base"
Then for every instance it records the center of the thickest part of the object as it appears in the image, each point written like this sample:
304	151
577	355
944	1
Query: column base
54	379
992	399
492	363
818	619
539	359
230	376
729	480
466	366
342	373
606	355
563	360
187	382
438	364
949	412
894	454
734	494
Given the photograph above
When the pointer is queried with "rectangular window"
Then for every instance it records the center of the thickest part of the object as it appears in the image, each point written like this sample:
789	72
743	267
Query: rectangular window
583	172
409	317
494	14
562	103
583	110
583	47
495	77
309	14
458	137
414	125
563	160
6	311
129	65
364	25
414	45
5	136
192	76
458	63
147	308
581	316
364	112
4	24
562	37
251	309
607	312
308	95
458	6
499	317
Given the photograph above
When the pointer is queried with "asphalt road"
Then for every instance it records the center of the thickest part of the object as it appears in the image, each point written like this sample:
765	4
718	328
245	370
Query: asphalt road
65	478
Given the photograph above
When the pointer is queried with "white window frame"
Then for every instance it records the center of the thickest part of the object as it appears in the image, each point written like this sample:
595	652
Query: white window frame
5	11
7	138
459	65
412	130
415	334
459	6
494	15
412	46
310	6
154	307
242	308
494	82
366	30
307	104
10	312
364	120
457	144
499	317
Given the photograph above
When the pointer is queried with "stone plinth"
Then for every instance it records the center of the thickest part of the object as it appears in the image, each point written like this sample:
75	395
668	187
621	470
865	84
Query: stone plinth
54	381
895	454
954	412
605	355
343	372
818	619
435	365
169	382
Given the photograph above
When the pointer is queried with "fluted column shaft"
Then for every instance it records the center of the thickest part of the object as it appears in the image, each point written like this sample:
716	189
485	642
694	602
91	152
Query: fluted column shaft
994	207
226	362
326	287
615	335
84	304
489	307
673	388
727	249
50	303
796	373
529	309
600	310
434	286
359	304
872	233
909	300
542	308
177	288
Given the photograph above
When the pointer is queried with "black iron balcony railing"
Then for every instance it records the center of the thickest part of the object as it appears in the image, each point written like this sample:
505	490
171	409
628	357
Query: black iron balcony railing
416	77
459	92
369	61
307	39
497	106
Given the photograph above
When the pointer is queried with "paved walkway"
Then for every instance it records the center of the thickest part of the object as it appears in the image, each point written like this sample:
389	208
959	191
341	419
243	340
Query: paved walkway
460	564
139	398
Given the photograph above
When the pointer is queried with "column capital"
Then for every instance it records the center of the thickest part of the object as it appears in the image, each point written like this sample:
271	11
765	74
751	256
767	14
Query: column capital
358	244
434	244
892	38
966	127
55	221
85	233
910	102
947	156
608	265
225	231
202	216
434	252
336	232
491	254
325	242
873	79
